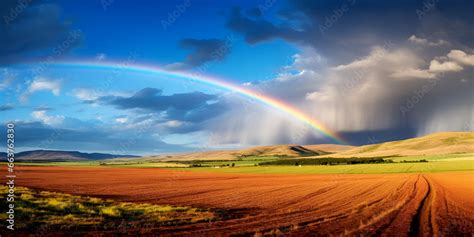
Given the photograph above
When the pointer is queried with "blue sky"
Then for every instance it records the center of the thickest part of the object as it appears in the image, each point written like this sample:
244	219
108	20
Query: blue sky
371	71
142	30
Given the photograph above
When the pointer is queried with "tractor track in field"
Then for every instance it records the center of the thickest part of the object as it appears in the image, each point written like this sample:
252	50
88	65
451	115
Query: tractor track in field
421	222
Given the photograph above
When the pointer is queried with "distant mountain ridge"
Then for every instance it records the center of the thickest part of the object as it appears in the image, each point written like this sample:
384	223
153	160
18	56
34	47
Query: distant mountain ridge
53	155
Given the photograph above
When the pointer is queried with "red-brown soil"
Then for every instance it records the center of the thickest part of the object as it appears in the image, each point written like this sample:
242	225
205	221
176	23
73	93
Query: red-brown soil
438	204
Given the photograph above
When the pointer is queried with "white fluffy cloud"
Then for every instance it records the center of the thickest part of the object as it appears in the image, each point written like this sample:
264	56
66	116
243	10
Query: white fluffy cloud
46	119
421	41
439	67
7	79
374	98
302	65
85	94
41	84
121	120
91	94
444	64
461	57
414	73
392	88
377	54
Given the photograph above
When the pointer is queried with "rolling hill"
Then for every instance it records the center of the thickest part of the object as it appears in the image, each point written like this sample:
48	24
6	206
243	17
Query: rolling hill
331	148
51	155
433	144
276	150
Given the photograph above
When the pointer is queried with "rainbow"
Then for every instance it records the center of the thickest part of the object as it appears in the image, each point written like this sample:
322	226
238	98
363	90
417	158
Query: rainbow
265	99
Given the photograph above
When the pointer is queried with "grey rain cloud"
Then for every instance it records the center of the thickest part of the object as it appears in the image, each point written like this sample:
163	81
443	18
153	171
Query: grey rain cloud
258	30
202	51
192	106
371	70
363	99
152	99
346	29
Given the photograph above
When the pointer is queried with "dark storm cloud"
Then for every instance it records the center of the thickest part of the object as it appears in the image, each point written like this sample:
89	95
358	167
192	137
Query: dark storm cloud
30	27
198	114
257	30
203	51
395	91
6	107
348	28
192	106
371	70
368	137
152	99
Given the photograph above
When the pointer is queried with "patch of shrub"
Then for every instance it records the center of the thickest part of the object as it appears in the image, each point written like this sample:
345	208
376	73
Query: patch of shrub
328	161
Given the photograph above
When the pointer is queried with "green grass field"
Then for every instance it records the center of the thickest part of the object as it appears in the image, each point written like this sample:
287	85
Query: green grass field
434	166
436	163
146	163
131	164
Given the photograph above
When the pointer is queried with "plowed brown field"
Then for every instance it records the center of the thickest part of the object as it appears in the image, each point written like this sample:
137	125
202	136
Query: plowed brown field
439	204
